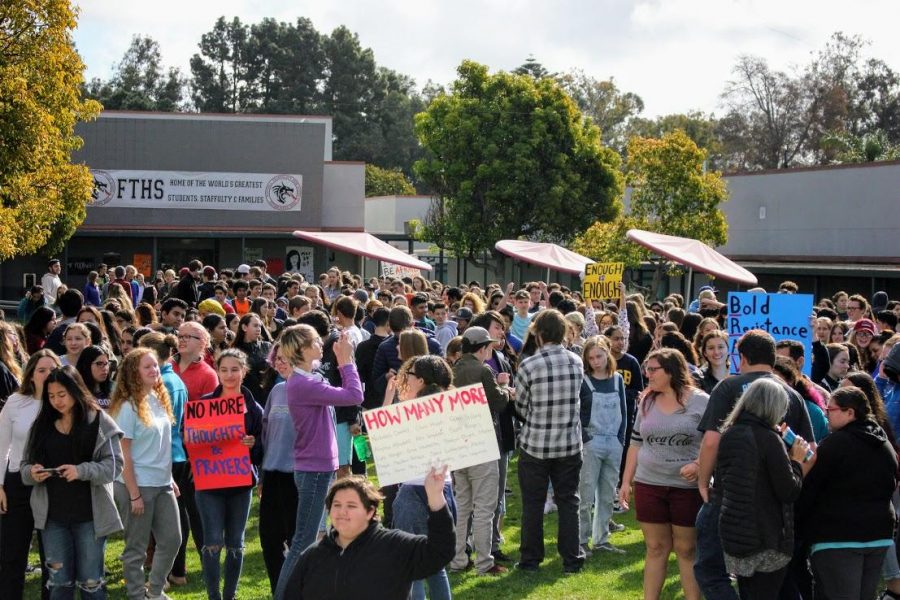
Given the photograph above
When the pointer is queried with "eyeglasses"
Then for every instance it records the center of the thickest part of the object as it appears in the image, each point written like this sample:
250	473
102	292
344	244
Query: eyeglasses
185	337
833	408
101	364
650	369
854	307
863	334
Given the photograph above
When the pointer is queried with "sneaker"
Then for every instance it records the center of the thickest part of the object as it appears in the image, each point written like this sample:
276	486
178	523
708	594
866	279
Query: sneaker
176	580
550	507
572	570
607	547
615	527
501	556
526	567
495	570
587	550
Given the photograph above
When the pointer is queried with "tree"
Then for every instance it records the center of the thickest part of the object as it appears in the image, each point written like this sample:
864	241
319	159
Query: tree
42	194
533	68
220	69
508	156
138	82
869	147
609	108
387	182
701	128
672	193
285	67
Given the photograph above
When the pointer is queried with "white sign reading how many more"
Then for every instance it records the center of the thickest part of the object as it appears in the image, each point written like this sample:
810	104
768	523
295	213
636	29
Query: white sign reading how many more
452	428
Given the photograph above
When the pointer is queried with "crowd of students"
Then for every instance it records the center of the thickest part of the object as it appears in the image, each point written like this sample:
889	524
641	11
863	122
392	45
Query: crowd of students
606	405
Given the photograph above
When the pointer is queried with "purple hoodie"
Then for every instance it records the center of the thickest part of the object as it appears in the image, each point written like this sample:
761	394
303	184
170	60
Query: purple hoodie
310	399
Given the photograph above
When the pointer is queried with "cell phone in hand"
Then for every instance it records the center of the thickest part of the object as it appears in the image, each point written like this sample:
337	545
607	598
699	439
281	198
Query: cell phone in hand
52	472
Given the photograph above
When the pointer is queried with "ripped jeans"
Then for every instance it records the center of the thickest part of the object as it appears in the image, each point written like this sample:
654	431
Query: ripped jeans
224	515
74	560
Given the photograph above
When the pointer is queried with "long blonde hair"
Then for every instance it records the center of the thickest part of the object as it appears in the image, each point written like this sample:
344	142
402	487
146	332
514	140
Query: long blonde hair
8	351
129	388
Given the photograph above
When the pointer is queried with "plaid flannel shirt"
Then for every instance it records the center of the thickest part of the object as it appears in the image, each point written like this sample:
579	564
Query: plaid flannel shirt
547	398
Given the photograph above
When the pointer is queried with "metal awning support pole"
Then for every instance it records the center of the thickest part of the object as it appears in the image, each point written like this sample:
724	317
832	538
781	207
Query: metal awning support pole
689	293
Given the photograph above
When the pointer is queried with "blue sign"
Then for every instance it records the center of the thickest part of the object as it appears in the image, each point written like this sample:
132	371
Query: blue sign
783	316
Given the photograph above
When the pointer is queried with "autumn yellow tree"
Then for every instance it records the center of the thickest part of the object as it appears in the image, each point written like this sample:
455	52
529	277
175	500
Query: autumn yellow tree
671	193
42	194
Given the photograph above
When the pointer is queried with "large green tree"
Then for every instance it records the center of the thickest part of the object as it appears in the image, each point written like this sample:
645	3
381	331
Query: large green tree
510	156
671	193
42	194
139	81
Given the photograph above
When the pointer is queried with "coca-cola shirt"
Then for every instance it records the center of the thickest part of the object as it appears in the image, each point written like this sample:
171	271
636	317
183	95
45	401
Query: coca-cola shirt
667	442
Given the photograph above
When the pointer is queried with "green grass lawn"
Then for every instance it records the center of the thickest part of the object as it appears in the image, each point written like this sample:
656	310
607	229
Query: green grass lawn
604	576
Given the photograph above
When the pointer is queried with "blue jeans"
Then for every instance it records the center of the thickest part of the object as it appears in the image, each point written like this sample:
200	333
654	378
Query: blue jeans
74	559
312	487
709	560
224	516
411	515
599	475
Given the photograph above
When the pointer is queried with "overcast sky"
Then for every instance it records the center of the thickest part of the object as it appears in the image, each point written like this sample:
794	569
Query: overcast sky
676	54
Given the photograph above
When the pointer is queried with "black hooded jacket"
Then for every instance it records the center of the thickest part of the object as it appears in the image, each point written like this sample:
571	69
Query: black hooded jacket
759	485
380	564
847	494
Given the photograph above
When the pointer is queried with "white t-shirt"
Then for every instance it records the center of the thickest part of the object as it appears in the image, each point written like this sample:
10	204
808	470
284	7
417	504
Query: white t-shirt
50	282
16	419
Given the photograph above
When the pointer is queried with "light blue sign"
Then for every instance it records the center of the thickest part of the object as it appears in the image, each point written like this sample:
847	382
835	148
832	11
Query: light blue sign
783	316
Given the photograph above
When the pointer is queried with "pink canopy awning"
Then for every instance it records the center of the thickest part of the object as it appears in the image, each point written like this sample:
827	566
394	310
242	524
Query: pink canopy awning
363	244
694	254
545	255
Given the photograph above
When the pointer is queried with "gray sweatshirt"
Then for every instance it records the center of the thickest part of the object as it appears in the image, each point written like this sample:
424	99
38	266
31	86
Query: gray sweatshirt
101	472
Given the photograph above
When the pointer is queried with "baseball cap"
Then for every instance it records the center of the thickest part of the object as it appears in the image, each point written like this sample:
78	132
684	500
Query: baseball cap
478	336
864	325
464	314
209	271
243	269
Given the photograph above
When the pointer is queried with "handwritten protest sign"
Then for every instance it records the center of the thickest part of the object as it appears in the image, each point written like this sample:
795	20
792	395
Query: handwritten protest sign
783	316
601	280
213	430
452	428
393	271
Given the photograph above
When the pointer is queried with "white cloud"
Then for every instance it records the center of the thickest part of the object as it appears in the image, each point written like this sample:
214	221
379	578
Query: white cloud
676	54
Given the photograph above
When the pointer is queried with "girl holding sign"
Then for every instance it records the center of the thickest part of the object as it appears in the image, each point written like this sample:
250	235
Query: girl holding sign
310	398
224	511
145	491
422	376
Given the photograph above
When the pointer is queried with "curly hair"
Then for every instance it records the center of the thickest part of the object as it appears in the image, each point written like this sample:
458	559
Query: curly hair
129	388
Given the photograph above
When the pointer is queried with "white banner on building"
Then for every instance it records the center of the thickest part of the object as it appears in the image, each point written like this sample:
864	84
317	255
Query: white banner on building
182	189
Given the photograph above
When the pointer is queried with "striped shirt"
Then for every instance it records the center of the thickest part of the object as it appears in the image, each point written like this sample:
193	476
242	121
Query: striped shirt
547	398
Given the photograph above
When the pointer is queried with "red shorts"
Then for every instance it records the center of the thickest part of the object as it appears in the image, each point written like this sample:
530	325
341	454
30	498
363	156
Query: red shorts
664	504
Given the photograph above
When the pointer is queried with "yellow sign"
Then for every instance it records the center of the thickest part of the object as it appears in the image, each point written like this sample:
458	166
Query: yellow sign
601	281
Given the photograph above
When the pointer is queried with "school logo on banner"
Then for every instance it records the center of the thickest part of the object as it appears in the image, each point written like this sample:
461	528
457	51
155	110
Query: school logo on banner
104	188
283	192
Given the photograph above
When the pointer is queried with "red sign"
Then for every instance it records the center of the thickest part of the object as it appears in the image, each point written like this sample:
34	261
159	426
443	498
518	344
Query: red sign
213	430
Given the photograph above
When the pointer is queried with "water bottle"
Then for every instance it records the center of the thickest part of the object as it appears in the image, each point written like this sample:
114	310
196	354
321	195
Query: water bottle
788	435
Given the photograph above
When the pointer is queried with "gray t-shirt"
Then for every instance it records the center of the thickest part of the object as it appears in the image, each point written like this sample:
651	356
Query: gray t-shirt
667	442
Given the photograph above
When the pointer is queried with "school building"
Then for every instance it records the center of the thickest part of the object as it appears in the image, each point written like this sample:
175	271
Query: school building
228	189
